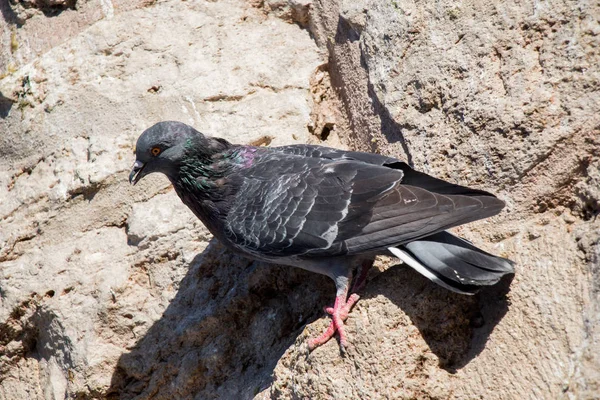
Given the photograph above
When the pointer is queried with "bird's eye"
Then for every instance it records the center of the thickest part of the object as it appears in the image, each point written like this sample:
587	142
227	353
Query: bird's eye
155	151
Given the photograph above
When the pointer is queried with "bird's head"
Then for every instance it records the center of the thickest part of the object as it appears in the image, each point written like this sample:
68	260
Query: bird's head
163	146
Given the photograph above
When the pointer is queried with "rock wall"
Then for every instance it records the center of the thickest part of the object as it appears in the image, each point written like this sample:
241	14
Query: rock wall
112	291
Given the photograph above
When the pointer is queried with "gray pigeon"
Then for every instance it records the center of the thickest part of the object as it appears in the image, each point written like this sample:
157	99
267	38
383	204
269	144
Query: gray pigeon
325	210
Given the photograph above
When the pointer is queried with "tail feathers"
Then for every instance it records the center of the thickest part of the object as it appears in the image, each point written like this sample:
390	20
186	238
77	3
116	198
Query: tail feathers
453	263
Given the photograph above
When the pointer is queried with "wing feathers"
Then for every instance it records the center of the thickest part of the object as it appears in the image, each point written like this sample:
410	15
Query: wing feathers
412	212
314	201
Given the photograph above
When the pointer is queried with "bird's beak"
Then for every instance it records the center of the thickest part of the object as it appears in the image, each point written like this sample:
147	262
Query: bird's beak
136	172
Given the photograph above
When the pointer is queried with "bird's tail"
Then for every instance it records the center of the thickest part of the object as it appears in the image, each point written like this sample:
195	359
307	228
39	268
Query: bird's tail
453	262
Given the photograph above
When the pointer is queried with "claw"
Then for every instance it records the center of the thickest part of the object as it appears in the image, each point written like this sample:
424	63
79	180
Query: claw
339	312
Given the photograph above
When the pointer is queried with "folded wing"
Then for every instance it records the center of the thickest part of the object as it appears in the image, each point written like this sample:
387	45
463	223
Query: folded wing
306	204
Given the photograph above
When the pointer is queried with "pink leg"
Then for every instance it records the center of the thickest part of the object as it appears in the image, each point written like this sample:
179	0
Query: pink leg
358	285
345	309
336	324
363	271
339	312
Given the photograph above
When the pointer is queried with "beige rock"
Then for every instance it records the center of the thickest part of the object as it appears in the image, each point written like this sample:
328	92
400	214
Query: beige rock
88	262
113	291
501	96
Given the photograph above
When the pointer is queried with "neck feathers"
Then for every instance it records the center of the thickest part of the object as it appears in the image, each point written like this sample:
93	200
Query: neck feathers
204	170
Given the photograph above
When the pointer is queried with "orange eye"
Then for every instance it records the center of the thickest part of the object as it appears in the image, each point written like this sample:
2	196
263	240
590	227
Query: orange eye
155	151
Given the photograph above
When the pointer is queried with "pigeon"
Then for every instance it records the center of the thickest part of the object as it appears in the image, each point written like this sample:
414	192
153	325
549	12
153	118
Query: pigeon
325	210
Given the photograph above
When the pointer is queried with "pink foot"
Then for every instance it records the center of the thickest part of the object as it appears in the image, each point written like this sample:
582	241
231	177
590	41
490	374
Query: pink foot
339	313
345	310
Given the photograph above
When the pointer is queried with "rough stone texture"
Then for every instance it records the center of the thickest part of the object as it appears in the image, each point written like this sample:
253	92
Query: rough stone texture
25	9
89	263
504	97
108	290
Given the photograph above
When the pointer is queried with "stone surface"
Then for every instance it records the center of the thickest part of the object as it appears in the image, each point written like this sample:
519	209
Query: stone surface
499	96
88	262
112	291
